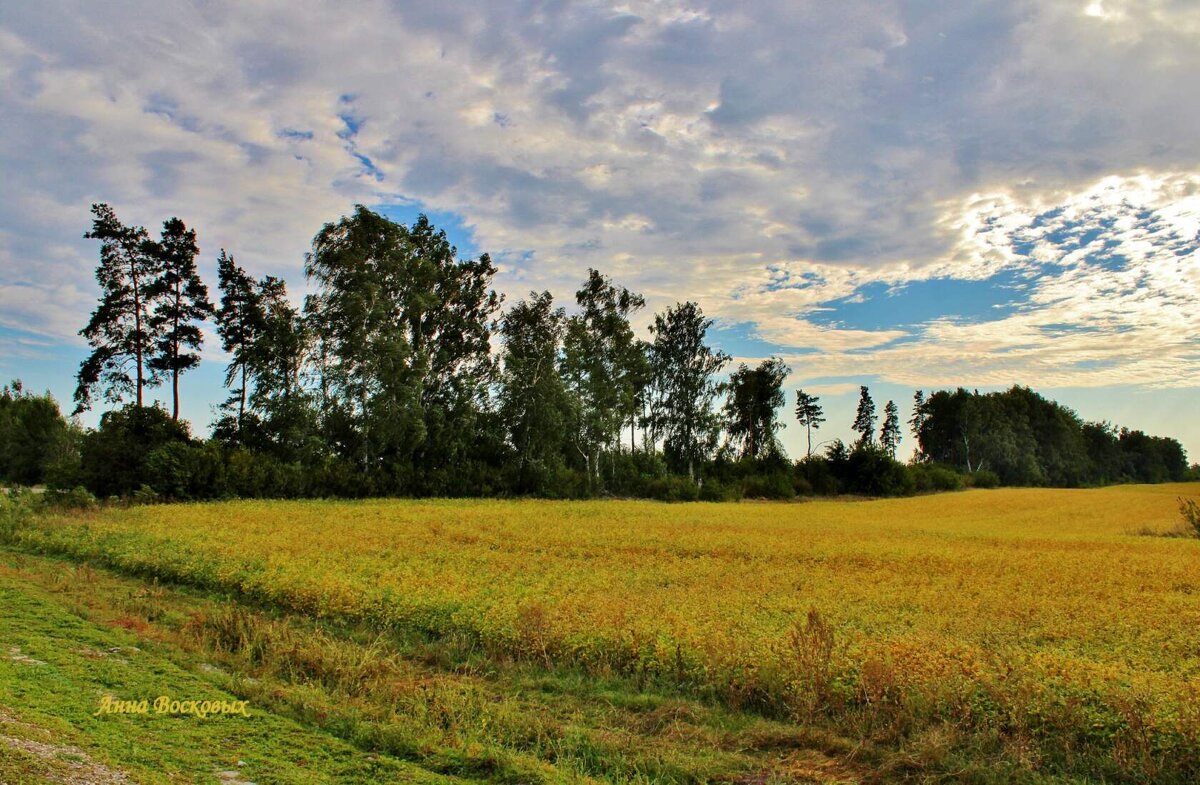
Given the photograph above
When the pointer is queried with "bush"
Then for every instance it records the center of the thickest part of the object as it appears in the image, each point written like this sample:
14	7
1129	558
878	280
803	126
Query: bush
984	478
717	491
1190	511
113	458
870	471
816	473
933	477
77	498
775	485
672	488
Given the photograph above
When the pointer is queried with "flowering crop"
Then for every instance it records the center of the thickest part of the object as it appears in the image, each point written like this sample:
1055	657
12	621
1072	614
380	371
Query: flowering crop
1046	609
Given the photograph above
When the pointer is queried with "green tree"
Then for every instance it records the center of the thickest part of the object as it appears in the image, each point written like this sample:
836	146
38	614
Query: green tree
917	421
275	361
402	329
751	408
533	400
683	366
180	305
864	418
809	413
601	366
119	329
889	435
240	322
34	436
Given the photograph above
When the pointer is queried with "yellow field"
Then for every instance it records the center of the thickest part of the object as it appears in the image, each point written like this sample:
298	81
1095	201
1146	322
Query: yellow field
1050	606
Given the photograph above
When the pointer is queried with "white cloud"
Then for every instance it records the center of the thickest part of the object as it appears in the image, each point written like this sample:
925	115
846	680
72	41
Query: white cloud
764	160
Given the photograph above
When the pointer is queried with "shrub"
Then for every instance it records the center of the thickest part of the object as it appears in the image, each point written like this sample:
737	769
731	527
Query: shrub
1191	514
673	488
984	478
717	491
77	498
776	485
933	477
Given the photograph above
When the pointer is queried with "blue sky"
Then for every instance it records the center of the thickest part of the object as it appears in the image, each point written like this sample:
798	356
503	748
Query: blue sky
901	194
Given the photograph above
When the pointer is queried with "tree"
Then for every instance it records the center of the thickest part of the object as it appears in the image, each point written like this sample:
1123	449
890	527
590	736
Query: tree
889	436
119	330
34	436
864	418
403	329
533	400
809	413
601	365
275	359
751	418
917	421
240	322
682	367
180	303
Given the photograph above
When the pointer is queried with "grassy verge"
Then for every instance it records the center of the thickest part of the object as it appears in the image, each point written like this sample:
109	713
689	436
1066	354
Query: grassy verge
436	704
56	669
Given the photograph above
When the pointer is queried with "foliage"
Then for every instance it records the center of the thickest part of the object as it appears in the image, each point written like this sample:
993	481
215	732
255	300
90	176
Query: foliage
752	408
683	367
864	418
1026	439
36	442
116	457
1189	510
809	414
119	330
180	302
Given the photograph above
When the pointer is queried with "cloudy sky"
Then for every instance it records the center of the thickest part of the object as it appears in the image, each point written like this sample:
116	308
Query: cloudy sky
901	194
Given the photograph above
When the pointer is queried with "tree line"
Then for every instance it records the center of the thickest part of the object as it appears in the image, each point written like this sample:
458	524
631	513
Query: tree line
403	374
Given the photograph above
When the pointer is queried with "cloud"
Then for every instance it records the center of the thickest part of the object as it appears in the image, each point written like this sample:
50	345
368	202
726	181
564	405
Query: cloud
769	161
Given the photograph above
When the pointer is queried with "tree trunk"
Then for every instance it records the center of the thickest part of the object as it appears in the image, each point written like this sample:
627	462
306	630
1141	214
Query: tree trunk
242	403
137	325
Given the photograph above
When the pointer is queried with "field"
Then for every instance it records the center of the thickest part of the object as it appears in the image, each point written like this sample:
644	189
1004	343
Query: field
989	636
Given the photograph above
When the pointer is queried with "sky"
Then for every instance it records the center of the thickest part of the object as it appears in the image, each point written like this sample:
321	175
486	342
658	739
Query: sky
898	194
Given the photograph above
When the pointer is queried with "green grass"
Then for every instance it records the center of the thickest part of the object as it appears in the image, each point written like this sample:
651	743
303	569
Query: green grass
377	700
55	667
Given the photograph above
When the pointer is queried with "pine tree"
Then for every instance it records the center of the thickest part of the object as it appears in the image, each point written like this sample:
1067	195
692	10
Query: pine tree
889	436
119	330
917	422
864	418
240	322
809	413
180	305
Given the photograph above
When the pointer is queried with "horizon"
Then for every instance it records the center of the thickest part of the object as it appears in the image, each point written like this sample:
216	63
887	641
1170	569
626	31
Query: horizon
896	196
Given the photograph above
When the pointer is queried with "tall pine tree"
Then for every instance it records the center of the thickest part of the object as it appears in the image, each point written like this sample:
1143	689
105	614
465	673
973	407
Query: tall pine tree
889	435
240	322
809	413
864	418
180	305
119	330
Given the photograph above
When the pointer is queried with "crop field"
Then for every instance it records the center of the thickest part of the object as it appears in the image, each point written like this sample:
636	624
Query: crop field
1004	635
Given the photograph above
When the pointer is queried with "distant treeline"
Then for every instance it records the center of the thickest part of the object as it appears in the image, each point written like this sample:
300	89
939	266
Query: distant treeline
403	375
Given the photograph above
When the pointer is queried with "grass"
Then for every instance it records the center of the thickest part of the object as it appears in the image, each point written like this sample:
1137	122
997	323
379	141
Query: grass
55	669
1010	635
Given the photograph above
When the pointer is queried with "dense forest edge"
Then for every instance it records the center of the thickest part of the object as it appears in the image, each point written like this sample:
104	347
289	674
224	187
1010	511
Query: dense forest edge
403	375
